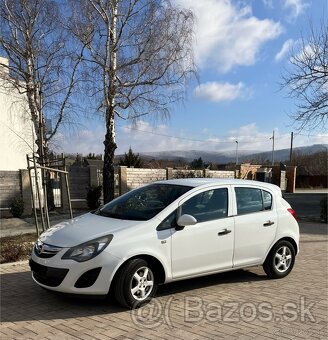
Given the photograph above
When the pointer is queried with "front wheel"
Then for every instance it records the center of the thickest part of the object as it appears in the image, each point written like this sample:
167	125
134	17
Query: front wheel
135	284
280	260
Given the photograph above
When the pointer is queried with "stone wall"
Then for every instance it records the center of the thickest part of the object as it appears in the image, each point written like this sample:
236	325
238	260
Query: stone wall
186	174
221	174
202	174
10	184
132	178
16	183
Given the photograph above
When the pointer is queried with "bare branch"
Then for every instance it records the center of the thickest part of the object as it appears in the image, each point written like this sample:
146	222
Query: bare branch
139	56
307	80
42	61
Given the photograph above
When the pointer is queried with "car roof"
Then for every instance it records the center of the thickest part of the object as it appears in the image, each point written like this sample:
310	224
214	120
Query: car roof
198	182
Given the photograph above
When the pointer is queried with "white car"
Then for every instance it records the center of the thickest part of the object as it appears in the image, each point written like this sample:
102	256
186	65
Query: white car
168	231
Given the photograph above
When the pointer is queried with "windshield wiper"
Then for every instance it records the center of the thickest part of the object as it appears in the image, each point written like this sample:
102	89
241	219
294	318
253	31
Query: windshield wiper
117	216
107	214
101	213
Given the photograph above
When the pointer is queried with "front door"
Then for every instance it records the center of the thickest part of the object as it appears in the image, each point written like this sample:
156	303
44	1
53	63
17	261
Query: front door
206	246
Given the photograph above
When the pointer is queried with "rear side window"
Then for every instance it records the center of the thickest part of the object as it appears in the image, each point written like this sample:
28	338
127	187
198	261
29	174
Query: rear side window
250	200
267	200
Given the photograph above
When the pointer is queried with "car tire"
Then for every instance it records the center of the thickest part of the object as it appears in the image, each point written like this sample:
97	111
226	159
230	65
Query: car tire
280	260
135	284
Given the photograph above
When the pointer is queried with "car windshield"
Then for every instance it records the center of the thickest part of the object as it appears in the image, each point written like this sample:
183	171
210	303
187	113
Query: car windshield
144	203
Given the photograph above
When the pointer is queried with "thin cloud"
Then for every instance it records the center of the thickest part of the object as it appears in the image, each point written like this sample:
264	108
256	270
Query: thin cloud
295	7
306	52
220	92
285	50
268	3
143	137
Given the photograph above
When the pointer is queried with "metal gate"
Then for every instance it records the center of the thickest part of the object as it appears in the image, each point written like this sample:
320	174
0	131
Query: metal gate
45	178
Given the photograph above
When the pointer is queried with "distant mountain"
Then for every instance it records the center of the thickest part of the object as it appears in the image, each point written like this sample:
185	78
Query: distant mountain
230	156
283	154
190	155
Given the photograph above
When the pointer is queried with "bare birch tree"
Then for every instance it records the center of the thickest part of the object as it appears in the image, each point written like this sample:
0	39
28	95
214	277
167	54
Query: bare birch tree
307	79
42	64
139	54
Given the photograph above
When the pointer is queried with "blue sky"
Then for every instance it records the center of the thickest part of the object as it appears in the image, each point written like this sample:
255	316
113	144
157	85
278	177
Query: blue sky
241	50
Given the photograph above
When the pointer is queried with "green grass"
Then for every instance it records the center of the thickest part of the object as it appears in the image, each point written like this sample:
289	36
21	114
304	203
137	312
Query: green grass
16	248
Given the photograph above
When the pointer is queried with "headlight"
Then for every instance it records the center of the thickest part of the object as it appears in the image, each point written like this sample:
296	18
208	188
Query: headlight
87	250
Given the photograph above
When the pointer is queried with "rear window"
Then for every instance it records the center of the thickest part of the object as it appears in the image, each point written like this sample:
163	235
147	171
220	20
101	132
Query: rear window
250	200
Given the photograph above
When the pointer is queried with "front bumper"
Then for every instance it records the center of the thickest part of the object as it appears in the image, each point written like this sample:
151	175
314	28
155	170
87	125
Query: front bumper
91	277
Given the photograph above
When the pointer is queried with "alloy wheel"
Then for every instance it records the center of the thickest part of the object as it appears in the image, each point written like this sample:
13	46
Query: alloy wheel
283	259
142	283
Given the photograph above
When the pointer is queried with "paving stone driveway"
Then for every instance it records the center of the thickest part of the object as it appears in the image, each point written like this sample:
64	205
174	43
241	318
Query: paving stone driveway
241	304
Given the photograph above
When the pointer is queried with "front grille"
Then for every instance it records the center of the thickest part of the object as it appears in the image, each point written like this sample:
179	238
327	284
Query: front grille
44	250
48	276
88	278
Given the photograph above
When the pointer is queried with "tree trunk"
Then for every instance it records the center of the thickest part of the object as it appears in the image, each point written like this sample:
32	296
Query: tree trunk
110	147
110	142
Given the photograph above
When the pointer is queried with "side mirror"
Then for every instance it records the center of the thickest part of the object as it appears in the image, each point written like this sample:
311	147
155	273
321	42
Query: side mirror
186	220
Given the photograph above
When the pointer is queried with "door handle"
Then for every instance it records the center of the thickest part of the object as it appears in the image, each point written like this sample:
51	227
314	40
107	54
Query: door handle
268	223
224	232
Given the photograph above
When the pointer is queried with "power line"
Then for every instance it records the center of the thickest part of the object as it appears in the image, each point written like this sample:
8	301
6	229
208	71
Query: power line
198	140
306	135
176	137
232	141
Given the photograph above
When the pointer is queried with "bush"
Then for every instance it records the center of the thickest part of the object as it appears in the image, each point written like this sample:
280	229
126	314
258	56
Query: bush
185	174
189	174
17	207
16	248
323	212
93	197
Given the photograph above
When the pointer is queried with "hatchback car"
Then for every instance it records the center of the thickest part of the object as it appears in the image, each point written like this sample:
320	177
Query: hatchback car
168	231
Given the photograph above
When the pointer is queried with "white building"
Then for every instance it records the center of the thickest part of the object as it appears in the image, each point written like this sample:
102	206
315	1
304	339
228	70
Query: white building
16	128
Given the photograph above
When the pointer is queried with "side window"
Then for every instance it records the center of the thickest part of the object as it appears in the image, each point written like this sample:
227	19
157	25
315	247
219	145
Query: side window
208	205
169	222
267	200
249	200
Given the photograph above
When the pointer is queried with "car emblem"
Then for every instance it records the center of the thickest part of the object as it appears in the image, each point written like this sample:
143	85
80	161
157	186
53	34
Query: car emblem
39	247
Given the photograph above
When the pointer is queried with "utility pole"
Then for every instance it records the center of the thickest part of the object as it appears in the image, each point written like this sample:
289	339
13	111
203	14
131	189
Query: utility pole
272	157
291	148
236	152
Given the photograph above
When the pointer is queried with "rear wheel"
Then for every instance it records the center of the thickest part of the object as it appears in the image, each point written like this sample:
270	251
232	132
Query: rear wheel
134	284
280	260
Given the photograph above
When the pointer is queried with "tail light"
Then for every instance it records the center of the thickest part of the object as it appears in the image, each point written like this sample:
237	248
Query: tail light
292	211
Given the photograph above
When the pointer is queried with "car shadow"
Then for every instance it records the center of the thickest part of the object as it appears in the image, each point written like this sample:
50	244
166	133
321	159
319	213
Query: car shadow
212	280
23	300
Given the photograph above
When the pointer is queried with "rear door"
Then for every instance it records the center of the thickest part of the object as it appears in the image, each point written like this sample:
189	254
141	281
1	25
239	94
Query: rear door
255	224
